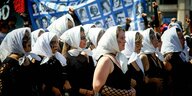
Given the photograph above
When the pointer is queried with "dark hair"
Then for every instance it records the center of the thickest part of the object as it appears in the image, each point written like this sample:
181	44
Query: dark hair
26	38
178	30
151	34
4	25
81	29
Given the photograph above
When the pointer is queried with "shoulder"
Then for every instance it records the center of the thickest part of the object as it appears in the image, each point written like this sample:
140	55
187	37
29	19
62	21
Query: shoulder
105	60
105	63
145	61
143	56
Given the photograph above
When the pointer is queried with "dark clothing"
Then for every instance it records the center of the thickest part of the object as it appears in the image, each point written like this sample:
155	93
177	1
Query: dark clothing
53	75
117	79
18	80
76	19
156	70
138	76
127	27
156	67
80	73
180	83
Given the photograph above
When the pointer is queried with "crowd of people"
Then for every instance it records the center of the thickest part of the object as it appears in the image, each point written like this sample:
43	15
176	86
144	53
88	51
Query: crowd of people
72	59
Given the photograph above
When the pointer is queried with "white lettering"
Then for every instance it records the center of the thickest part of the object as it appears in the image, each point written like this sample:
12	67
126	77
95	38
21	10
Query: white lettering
4	12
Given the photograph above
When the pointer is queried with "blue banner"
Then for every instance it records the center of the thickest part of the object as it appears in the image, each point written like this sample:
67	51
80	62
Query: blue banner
103	13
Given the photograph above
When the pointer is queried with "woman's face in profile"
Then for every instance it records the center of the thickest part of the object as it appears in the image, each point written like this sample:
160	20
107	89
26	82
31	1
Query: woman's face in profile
27	41
121	39
54	44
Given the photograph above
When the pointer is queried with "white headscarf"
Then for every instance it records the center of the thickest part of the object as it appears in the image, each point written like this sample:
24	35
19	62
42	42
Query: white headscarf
60	25
93	35
73	38
12	43
42	47
172	24
86	27
148	47
129	50
35	35
108	44
170	41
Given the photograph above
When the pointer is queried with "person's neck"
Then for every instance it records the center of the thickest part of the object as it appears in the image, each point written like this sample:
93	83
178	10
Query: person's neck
153	54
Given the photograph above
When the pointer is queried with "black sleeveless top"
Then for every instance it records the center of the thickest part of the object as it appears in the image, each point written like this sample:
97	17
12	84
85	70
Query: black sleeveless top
138	76
156	67
118	79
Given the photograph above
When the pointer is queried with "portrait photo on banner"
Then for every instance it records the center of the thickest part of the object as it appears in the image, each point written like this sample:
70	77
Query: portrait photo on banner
103	13
109	21
105	5
117	4
94	10
83	16
99	23
120	18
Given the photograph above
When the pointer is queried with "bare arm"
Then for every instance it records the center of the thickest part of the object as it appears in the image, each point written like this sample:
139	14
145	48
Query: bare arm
145	61
102	70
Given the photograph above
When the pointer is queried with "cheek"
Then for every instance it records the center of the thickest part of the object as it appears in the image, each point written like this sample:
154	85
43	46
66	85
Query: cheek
82	44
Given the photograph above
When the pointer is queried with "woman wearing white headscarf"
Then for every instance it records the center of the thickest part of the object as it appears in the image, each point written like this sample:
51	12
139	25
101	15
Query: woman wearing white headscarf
136	70
180	72
52	64
15	80
62	24
80	66
110	76
153	62
35	34
86	28
94	35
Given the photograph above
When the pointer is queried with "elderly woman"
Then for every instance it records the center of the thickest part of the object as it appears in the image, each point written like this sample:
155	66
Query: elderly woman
80	65
52	70
110	76
15	79
94	35
136	70
153	62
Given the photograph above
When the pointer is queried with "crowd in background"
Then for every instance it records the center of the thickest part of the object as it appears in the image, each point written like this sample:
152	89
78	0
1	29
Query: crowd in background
71	59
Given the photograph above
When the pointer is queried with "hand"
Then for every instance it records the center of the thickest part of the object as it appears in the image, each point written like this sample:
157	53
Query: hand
187	21
133	83
56	91
128	20
89	93
158	82
67	85
144	15
71	10
154	5
132	92
146	79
